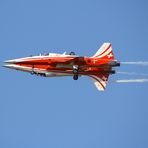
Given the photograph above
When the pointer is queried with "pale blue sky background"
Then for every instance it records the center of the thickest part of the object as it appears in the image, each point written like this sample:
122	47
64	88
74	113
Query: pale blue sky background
59	112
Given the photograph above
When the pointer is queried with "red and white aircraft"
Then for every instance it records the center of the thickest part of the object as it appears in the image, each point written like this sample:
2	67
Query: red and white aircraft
97	67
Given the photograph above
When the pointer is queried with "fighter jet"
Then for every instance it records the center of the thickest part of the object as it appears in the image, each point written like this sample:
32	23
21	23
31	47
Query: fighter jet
98	67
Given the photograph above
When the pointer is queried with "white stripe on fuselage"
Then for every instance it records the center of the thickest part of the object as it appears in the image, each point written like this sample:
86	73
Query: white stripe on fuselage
39	58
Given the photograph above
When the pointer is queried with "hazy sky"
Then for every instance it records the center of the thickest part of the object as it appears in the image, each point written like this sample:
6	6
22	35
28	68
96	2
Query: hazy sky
59	112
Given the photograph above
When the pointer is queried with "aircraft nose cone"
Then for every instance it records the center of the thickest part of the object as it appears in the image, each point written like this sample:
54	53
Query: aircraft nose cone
14	61
10	61
9	65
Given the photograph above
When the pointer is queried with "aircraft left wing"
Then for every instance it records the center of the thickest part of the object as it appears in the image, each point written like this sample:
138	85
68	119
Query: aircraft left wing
100	81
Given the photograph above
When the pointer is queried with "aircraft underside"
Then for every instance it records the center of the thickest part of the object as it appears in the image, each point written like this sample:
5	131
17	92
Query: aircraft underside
75	71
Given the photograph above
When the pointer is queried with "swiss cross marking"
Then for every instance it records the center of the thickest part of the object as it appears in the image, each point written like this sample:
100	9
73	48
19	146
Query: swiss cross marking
110	55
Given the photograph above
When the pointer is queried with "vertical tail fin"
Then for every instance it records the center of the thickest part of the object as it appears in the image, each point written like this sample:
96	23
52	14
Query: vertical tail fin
105	52
100	81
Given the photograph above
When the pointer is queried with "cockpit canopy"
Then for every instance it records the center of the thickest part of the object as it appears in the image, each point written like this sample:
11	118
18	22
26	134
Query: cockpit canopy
57	54
70	53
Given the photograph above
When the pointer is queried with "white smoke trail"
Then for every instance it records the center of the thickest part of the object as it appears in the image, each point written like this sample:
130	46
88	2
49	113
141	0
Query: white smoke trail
132	73
143	63
132	81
